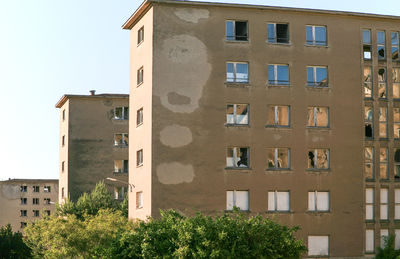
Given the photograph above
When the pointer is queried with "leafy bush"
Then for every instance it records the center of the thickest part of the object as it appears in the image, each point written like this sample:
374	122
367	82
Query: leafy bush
388	252
12	244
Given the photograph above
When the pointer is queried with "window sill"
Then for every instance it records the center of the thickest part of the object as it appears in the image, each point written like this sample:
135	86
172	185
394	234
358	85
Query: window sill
385	221
138	125
320	88
278	86
237	84
140	43
121	146
120	173
237	125
371	221
384	139
318	171
370	99
237	41
318	46
118	119
241	211
278	127
137	166
279	171
396	99
237	168
384	180
287	44
318	212
318	256
370	180
385	99
139	84
279	212
318	128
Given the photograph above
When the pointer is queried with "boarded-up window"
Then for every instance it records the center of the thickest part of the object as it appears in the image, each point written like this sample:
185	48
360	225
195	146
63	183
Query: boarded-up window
384	199
238	199
369	204
318	245
318	201
369	241
278	201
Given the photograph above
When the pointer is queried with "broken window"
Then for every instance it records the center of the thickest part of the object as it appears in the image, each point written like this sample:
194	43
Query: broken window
238	157
383	163
23	213
278	158
47	212
36	188
237	72
382	91
239	199
384	200
237	114
318	117
318	158
36	213
396	82
367	82
369	121
63	140
119	193
236	30
24	201
318	246
140	76
316	35
395	45
47	201
367	47
278	74
139	117
317	76
121	113
23	188
121	140
23	224
62	166
139	200
396	203
278	115
35	201
397	164
318	201
380	37
278	201
278	32
383	122
120	166
396	122
139	157
140	35
47	189
369	162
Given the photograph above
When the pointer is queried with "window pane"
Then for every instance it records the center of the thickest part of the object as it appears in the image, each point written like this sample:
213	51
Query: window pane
322	116
230	77
230	162
271	201
311	159
271	33
283	115
366	36
282	33
241	30
271	74
242	200
369	240
311	201
322	76
283	74
230	30
271	158
323	158
283	158
242	114
243	159
271	115
367	52
242	72
323	201
381	37
230	118
395	38
396	78
229	200
310	116
396	130
310	75
368	113
283	201
309	36
320	35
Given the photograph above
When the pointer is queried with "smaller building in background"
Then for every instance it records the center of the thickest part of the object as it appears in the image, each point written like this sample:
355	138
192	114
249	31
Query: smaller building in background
93	143
25	200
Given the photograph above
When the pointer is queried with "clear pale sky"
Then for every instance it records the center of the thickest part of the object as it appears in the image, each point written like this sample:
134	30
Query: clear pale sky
49	48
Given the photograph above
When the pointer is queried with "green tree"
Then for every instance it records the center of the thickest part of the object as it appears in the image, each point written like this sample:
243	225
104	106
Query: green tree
12	244
388	251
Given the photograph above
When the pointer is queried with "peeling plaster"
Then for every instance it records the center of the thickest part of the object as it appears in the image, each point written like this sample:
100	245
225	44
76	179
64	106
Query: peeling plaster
276	136
176	136
192	15
316	139
184	74
175	173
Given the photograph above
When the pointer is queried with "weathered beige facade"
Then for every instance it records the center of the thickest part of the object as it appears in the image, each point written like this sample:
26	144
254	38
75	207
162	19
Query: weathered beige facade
93	143
26	200
308	171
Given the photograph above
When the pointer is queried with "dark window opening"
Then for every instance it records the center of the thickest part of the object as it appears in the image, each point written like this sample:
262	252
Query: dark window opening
368	130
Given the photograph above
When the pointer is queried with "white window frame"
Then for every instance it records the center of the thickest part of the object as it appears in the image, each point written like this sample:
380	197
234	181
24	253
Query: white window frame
384	204
275	81
234	30
313	41
276	159
276	115
313	199
236	193
315	113
123	144
236	80
47	189
124	113
369	203
274	201
314	83
235	115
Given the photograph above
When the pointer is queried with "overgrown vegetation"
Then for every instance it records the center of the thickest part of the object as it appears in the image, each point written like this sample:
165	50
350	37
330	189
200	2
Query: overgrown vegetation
12	245
388	251
97	227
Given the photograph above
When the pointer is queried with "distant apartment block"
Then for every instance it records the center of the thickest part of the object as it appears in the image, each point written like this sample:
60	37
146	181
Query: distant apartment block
26	200
94	140
285	112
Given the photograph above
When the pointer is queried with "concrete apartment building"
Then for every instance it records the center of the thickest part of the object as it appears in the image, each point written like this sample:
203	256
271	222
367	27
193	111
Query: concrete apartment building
93	143
285	112
25	200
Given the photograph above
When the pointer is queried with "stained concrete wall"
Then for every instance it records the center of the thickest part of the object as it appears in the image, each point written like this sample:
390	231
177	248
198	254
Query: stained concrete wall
90	148
10	200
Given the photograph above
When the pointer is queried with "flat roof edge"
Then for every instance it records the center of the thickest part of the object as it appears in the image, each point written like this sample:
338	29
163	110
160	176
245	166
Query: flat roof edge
142	9
65	97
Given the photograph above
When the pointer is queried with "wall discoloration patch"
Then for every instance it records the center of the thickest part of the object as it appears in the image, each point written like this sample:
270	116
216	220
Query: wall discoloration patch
184	73
176	136
175	173
316	139
277	136
10	191
192	15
